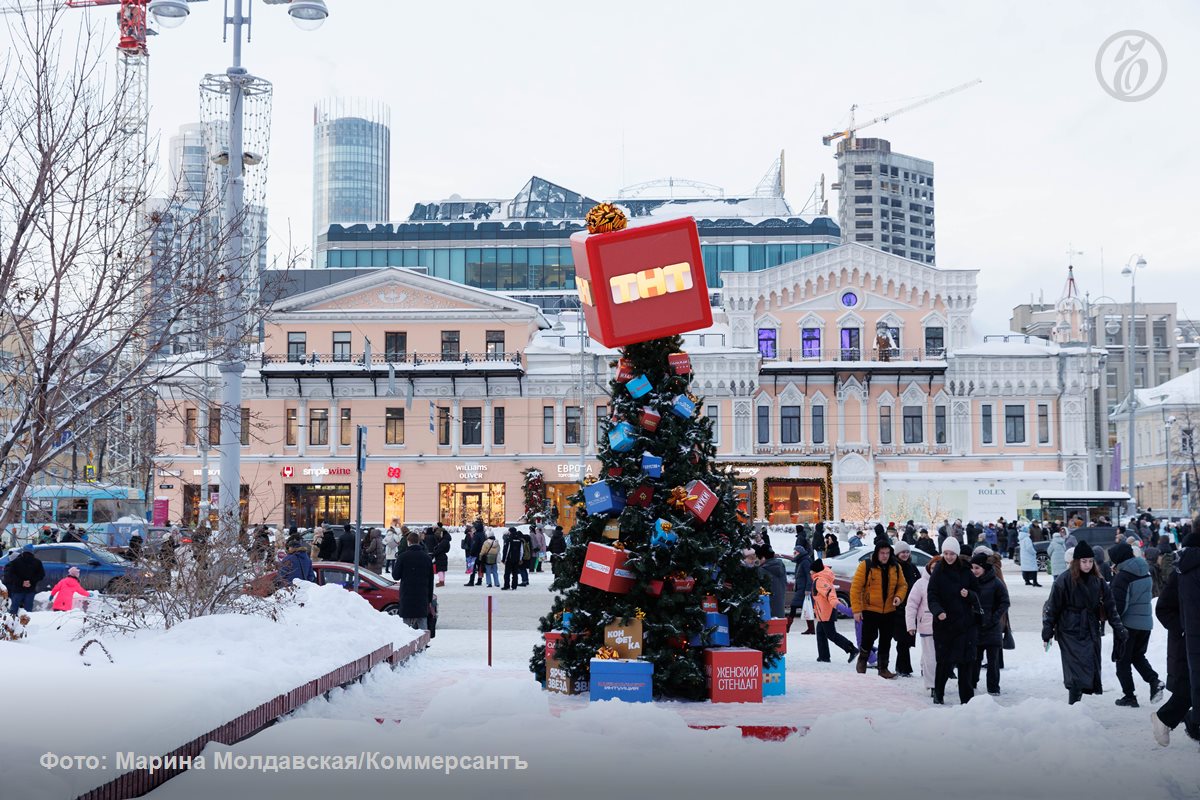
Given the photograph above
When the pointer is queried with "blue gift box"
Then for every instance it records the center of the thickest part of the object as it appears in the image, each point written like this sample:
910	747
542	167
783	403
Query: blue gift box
774	679
764	606
639	386
603	498
566	621
621	437
717	629
628	679
652	465
663	536
683	406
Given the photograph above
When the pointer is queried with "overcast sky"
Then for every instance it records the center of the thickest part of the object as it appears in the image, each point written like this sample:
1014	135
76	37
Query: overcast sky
591	96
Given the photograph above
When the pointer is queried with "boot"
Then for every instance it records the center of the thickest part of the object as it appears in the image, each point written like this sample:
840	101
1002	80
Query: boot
1162	734
861	666
811	631
1128	701
1156	691
791	617
939	698
853	653
884	672
1074	696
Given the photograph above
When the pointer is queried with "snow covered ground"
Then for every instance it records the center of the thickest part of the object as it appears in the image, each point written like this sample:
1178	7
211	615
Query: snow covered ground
862	736
163	688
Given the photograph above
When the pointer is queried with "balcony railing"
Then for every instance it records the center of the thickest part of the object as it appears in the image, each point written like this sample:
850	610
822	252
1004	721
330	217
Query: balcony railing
861	354
386	359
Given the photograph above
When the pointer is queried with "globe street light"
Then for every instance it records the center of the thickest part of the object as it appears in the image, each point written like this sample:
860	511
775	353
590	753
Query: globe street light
308	14
169	13
1130	271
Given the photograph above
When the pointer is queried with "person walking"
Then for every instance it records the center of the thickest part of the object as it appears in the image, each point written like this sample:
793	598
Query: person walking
392	542
772	569
919	622
1072	616
557	546
994	603
372	550
441	554
489	554
825	603
1188	563
526	555
925	543
538	537
512	556
1029	567
905	641
477	538
1175	710
1057	551
22	575
297	564
802	559
62	596
910	533
877	591
346	552
952	598
414	570
832	547
1132	588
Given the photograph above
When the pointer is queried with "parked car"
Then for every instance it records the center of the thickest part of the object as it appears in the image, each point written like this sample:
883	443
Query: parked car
382	593
98	568
1043	557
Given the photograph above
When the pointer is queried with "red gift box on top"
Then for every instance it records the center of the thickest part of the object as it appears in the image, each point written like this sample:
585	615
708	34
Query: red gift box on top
733	674
604	568
701	500
641	283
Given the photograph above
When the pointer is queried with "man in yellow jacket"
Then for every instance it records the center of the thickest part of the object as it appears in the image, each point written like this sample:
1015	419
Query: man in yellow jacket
876	594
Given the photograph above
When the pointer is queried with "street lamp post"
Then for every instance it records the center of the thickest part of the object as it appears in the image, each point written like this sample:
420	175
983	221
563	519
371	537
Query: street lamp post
1111	327
1168	423
307	14
1130	271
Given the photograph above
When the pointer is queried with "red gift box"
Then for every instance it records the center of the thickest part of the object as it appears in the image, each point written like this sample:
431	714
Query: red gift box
624	370
641	283
709	604
733	674
680	363
654	589
604	568
553	640
701	500
615	472
683	585
641	497
777	626
649	419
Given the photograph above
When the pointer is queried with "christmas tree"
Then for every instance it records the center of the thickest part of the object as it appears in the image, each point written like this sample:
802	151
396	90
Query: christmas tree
534	488
677	559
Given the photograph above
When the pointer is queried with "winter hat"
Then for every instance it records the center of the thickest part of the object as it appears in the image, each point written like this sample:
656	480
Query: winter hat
980	559
1083	550
73	572
951	546
902	547
986	551
818	565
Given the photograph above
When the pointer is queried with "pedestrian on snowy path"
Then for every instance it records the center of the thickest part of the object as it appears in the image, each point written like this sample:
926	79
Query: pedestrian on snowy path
1029	564
1132	588
414	570
1057	551
825	603
22	574
1175	710
877	591
994	602
920	623
802	558
905	641
952	598
62	596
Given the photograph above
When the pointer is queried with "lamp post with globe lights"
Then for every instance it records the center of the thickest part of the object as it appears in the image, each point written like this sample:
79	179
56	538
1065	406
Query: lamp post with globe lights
1130	271
308	15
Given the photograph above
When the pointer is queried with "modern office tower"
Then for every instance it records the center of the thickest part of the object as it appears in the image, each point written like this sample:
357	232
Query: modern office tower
885	199
352	143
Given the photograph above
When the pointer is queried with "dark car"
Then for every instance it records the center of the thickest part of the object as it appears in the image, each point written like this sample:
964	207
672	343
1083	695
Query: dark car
98	568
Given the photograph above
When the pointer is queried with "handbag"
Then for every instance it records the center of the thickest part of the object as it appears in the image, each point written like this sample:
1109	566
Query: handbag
1009	642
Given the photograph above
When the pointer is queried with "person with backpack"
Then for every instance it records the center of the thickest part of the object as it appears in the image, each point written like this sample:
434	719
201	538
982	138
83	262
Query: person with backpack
489	555
1132	588
512	556
877	591
526	555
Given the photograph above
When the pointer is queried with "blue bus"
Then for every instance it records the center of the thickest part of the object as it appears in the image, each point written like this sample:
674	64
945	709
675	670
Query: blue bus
109	514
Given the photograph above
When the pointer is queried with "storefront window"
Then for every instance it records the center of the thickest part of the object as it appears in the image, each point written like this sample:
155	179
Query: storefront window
791	502
191	504
393	504
558	504
462	503
312	504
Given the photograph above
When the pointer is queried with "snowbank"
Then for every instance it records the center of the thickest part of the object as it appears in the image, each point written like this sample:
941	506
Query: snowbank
165	687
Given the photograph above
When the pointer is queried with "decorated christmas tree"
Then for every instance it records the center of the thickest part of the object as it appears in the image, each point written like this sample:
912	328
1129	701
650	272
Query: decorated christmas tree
670	515
534	488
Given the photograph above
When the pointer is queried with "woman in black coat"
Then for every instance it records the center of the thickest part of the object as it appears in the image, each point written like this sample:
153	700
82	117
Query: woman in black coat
993	600
832	548
1072	615
952	596
346	545
1179	684
327	550
414	569
802	558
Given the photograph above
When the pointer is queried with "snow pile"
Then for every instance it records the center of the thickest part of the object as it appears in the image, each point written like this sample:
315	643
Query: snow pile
165	688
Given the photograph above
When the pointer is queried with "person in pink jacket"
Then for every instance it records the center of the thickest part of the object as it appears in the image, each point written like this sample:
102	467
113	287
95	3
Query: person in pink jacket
919	620
63	593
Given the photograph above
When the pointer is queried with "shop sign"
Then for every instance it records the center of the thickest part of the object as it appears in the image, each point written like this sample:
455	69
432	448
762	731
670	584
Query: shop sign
572	470
471	472
166	486
393	473
745	472
288	471
211	472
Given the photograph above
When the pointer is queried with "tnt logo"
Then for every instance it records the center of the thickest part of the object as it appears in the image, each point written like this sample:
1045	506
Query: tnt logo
624	300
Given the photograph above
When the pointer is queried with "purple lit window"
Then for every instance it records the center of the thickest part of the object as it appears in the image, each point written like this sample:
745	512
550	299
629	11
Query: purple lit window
849	299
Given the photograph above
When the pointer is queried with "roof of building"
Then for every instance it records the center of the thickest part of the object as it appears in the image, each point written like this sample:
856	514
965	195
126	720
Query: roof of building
1184	390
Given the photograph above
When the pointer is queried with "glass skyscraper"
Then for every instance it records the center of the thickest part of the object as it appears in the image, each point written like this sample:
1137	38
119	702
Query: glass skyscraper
352	143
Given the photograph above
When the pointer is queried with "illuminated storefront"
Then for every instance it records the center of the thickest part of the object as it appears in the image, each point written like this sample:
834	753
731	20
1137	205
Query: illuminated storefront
559	509
393	504
311	504
791	501
462	503
191	503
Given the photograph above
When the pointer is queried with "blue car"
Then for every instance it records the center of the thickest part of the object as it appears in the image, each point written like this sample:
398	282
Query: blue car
98	569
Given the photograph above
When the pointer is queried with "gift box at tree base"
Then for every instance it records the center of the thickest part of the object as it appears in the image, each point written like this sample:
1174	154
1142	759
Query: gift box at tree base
774	679
734	674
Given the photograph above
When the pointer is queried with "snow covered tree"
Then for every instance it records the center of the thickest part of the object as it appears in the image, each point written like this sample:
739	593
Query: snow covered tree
673	578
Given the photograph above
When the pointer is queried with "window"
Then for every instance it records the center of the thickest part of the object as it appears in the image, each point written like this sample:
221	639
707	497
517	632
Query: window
214	426
985	415
863	223
810	342
244	426
189	427
913	428
862	198
1014	424
393	426
318	426
341	345
851	349
297	346
864	237
498	425
713	412
892	333
764	424
292	433
472	425
443	425
395	346
789	424
345	428
885	425
939	424
935	341
1043	423
547	424
818	425
572	424
449	345
494	345
767	340
862	184
601	418
862	169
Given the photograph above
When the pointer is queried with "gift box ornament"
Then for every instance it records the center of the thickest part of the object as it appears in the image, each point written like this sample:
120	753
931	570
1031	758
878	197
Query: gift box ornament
603	497
649	419
641	283
652	465
558	680
709	604
655	588
641	497
774	679
625	638
663	536
612	529
564	622
683	406
621	437
639	386
554	640
682	584
701	500
615	472
733	674
777	626
624	370
604	568
716	631
680	363
628	679
764	607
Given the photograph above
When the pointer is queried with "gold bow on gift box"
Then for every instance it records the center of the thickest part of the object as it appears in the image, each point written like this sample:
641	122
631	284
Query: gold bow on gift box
679	498
607	653
639	614
605	217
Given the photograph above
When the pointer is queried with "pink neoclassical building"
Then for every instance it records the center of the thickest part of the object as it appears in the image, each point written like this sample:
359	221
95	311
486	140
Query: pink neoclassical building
843	385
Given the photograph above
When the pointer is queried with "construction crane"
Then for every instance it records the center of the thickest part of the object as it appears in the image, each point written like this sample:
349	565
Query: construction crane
853	127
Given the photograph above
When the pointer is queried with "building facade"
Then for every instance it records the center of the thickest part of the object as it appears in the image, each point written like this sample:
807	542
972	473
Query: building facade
1166	421
352	162
841	385
885	199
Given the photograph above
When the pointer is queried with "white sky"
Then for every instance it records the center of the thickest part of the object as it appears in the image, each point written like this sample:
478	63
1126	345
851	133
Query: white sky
485	94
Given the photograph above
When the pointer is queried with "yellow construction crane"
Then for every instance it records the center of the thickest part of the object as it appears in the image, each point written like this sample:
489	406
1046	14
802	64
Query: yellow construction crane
850	130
